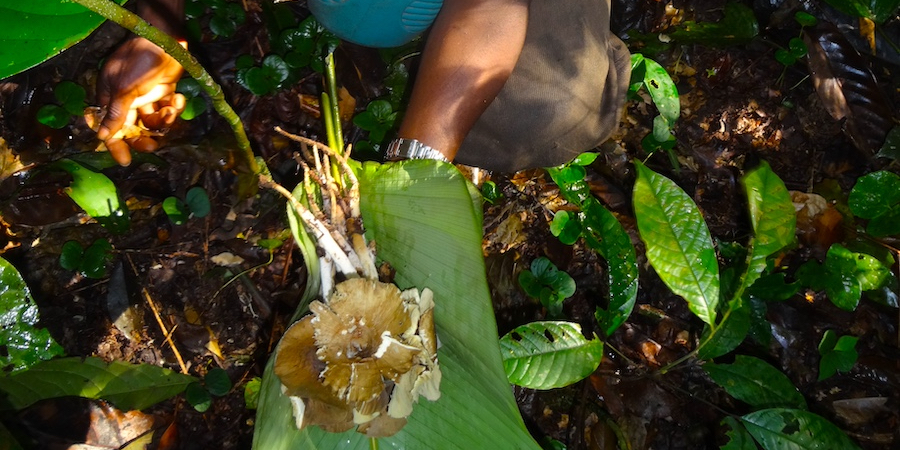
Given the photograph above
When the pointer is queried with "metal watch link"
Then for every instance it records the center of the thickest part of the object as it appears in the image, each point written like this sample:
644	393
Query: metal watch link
411	149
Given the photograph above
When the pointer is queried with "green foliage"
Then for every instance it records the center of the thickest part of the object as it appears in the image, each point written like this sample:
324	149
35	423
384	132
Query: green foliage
547	355
490	192
403	205
70	97
648	74
566	226
224	17
738	26
90	262
377	119
891	147
251	392
128	386
195	204
876	10
23	344
755	382
603	233
782	428
838	354
679	247
195	103
548	284
33	32
678	242
738	437
217	382
96	195
266	78
844	276
876	197
198	397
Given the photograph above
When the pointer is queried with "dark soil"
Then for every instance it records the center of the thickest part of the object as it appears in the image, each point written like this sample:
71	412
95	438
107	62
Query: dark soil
739	106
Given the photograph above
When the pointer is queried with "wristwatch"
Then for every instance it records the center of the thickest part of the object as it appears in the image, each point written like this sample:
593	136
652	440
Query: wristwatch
411	149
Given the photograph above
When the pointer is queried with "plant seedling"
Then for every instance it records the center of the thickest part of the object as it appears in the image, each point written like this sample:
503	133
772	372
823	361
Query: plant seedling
195	204
648	74
225	17
548	284
844	276
838	354
71	103
90	262
265	78
195	103
377	119
491	192
215	383
876	197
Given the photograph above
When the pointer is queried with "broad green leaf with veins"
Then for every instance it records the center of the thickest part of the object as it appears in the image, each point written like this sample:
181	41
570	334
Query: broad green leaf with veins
34	31
426	224
679	245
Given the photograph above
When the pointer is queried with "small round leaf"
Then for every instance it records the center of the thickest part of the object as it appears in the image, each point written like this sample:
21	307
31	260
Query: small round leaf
198	397
197	201
217	382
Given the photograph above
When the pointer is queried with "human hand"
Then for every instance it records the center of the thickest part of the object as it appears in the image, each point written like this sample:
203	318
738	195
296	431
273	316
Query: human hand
137	82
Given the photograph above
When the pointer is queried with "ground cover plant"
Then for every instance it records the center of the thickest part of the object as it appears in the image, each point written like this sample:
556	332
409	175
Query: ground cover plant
736	289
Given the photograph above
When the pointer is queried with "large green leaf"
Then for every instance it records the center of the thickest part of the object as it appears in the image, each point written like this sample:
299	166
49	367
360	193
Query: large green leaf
795	429
605	235
738	437
772	215
128	386
423	218
96	194
729	333
754	381
34	31
23	344
678	242
547	355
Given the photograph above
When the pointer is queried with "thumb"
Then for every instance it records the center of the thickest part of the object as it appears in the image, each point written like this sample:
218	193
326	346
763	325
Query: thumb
116	114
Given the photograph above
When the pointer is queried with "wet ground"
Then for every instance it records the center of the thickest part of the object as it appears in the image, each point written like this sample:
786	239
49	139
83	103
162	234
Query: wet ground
739	106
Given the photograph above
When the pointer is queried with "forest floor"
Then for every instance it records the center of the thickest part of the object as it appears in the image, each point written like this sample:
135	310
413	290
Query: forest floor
739	106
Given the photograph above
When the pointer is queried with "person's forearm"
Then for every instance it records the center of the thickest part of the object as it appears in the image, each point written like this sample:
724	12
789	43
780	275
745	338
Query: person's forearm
167	15
471	51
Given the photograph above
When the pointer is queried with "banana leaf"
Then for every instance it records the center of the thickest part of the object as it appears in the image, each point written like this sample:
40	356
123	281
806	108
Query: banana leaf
425	222
34	31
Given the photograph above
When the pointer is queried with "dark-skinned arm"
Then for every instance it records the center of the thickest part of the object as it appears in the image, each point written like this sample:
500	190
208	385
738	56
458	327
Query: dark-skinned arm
471	50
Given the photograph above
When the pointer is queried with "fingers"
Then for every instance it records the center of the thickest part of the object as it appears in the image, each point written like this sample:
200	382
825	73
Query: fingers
166	112
119	151
116	115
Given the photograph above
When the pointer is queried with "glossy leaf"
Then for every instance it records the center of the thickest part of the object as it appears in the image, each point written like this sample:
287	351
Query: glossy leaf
176	210
97	196
197	201
54	116
547	355
754	381
217	382
838	355
70	96
128	386
678	242
566	227
604	234
198	397
33	31
729	333
782	428
874	194
663	92
423	217
71	255
772	216
739	25
738	437
96	256
23	343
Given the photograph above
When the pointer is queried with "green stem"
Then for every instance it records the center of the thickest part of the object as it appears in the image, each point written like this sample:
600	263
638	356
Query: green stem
138	26
334	110
373	443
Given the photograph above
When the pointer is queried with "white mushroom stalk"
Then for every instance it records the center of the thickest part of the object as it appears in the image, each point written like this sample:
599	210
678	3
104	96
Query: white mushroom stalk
367	351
